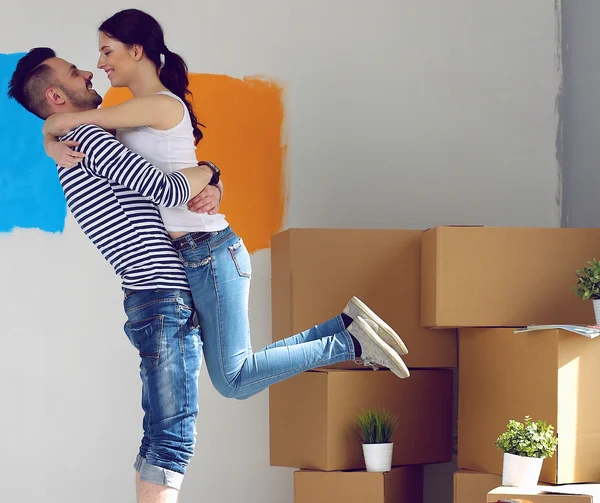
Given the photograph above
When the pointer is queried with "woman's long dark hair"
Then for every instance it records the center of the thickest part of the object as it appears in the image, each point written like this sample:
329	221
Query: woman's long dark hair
133	26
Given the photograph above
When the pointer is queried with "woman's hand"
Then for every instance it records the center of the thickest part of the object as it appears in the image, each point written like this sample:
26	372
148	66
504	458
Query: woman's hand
63	154
56	125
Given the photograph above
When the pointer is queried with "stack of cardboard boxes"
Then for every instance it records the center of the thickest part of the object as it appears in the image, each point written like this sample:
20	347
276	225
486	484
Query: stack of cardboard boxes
314	275
429	286
486	281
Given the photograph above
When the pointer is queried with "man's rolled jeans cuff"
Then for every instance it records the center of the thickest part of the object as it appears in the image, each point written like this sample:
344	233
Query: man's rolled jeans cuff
139	461
157	475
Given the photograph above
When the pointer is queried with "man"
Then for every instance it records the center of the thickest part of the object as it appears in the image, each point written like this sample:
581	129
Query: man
113	194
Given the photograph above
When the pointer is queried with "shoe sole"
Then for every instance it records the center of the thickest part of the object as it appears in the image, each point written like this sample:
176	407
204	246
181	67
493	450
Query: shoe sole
368	313
389	352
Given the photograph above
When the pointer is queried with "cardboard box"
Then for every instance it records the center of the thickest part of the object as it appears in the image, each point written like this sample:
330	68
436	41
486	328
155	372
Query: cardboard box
312	417
403	484
472	487
563	494
315	272
550	375
504	276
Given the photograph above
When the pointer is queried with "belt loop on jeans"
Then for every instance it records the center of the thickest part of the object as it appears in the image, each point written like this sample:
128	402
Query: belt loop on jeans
190	241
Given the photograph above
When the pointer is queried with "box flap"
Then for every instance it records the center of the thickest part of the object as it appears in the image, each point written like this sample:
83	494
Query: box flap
575	489
454	225
592	490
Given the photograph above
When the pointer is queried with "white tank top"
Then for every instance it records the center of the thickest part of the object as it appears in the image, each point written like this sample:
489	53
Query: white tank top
172	150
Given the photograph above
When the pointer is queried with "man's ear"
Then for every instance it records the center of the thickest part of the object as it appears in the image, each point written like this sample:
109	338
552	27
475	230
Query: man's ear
54	96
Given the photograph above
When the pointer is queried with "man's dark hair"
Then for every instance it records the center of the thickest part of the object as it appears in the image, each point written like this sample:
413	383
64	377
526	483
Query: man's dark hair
30	80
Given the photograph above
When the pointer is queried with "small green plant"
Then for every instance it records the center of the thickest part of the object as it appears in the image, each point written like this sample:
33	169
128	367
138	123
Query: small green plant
375	426
532	440
588	281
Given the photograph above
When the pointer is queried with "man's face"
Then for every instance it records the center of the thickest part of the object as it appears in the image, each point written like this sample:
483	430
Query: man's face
75	85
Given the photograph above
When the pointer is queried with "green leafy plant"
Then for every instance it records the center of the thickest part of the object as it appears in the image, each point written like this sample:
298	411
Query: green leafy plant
588	281
375	426
529	439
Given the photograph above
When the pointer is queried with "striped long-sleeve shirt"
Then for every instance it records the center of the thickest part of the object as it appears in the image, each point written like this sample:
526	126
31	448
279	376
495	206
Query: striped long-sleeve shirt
113	194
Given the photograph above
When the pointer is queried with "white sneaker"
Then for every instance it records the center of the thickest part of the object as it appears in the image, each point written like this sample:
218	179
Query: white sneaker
374	349
357	307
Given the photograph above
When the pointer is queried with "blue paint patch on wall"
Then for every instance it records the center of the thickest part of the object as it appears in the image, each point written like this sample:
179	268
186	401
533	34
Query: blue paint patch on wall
30	194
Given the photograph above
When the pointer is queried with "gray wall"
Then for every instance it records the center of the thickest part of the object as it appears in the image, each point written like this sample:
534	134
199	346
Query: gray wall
580	112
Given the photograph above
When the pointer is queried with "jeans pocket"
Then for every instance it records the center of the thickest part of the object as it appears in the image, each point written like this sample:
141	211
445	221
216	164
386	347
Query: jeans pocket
146	335
190	261
241	259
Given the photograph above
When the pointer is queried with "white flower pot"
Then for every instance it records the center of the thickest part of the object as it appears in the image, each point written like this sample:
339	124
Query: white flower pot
378	457
521	471
596	303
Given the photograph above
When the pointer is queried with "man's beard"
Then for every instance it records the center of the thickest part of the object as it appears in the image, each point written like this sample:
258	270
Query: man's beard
83	100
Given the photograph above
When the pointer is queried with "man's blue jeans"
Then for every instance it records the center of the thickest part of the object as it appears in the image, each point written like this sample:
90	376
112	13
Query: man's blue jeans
160	327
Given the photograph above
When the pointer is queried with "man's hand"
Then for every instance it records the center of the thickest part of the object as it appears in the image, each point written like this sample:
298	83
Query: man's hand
208	201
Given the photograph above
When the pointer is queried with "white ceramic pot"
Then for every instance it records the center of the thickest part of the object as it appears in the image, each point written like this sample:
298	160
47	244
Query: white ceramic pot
378	457
521	471
596	303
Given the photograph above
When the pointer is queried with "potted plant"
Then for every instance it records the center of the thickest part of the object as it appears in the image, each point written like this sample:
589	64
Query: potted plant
525	446
588	285
375	428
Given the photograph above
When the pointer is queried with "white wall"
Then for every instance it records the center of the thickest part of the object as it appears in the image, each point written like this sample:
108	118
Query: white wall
399	114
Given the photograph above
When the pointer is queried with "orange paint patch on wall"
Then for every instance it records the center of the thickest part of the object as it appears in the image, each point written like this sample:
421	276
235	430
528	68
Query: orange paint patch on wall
243	136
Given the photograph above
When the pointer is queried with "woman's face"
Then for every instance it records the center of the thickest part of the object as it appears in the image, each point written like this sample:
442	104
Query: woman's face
117	59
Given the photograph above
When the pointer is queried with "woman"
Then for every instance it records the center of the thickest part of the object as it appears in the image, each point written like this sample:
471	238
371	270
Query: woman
159	124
